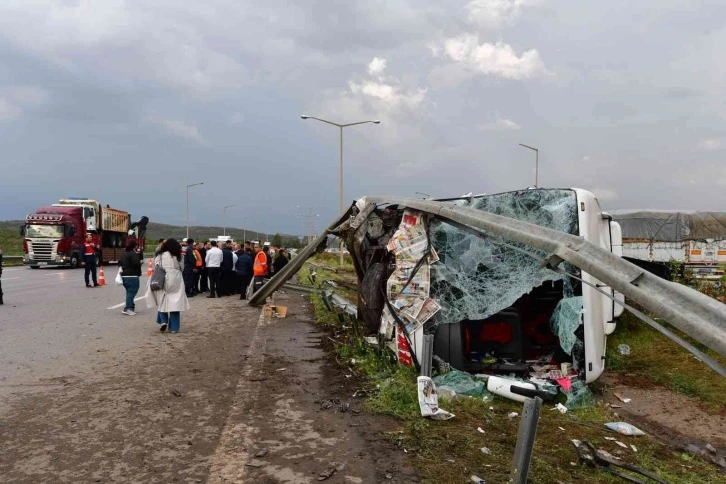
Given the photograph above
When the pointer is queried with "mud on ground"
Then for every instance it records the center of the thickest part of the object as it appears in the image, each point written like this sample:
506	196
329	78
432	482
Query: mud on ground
234	397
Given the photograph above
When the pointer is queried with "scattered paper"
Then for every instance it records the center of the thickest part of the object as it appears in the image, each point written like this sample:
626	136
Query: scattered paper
428	400
513	414
485	450
561	428
612	439
635	449
561	408
281	369
480	430
622	398
621	444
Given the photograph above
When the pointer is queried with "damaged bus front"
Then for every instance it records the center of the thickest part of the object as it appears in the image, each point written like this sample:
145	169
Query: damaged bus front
490	303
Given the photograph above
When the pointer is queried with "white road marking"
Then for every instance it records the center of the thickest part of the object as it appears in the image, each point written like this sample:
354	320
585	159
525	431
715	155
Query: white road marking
119	305
10	278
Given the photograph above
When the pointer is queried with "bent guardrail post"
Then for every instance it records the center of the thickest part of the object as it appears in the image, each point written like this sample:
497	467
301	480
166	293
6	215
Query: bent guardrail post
525	441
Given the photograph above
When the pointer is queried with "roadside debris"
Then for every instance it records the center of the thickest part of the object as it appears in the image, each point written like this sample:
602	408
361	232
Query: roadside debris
326	474
513	415
622	398
460	383
601	459
480	430
176	393
261	453
624	349
561	408
477	480
428	400
485	450
624	428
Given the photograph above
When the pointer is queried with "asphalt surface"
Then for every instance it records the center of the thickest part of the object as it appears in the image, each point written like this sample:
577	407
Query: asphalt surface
90	395
52	325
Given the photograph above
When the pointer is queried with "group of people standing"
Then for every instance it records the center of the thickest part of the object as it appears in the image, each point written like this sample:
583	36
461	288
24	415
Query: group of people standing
193	268
227	269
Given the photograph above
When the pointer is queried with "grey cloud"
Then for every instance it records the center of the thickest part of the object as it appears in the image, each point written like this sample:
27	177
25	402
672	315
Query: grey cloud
212	92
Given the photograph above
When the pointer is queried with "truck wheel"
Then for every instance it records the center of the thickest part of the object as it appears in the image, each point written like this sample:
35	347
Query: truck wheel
75	262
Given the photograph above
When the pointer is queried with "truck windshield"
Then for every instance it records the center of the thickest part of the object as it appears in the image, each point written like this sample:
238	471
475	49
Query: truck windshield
37	231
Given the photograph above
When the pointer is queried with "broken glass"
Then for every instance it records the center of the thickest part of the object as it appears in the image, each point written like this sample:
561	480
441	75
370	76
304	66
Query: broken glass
565	321
479	276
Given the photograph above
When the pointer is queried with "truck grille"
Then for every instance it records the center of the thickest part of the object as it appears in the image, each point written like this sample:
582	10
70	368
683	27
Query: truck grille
42	249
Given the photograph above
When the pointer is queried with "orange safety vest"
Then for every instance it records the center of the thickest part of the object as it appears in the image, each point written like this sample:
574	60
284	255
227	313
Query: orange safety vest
260	267
198	257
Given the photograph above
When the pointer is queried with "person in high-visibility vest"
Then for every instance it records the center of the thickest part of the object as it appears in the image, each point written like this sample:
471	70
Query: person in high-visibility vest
259	268
89	259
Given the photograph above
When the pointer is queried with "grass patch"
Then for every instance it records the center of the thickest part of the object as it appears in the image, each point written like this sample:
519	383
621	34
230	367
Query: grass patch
662	362
450	451
11	242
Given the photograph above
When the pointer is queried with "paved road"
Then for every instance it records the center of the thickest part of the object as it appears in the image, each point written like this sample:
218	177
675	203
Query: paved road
51	326
90	395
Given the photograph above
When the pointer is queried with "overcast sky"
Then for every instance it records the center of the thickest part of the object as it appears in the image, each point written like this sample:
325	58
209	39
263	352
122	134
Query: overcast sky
127	103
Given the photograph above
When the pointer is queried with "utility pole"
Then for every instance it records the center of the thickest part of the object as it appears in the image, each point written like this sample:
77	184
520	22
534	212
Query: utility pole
224	217
309	218
187	218
341	126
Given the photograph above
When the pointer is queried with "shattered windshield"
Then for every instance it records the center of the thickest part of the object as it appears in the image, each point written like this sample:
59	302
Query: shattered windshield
479	276
44	231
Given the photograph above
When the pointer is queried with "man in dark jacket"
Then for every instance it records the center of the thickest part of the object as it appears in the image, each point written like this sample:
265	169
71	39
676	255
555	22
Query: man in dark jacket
227	267
131	274
266	250
203	282
244	272
189	268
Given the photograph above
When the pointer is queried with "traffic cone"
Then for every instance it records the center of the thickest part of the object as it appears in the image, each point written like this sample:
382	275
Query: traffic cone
101	278
150	270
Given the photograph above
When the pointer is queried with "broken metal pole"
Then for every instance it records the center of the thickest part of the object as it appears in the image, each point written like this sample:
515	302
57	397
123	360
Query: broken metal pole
295	264
525	441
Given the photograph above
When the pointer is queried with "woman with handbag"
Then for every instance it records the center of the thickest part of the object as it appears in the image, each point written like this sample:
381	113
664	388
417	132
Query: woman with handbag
167	293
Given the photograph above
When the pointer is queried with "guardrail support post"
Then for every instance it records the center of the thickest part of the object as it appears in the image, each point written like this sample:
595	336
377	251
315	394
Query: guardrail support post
525	441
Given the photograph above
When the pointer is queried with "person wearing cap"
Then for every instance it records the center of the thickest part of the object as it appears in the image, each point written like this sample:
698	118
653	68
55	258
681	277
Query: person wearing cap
189	267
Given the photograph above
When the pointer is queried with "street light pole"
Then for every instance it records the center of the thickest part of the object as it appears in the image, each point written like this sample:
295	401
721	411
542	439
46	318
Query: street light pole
224	218
536	163
341	126
187	218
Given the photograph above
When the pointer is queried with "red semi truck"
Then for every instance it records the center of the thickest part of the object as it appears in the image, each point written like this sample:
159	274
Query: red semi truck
54	235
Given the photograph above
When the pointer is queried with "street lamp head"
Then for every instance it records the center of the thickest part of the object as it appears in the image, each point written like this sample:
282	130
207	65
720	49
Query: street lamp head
376	121
305	116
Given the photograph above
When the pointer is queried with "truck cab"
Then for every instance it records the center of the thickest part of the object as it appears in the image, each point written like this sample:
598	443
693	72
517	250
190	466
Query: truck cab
53	236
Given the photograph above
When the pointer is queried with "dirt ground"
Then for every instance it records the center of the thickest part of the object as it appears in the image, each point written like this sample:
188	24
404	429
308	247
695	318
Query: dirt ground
672	418
235	397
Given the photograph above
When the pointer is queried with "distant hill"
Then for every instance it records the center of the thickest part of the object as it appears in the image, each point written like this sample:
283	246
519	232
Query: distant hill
11	242
157	231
